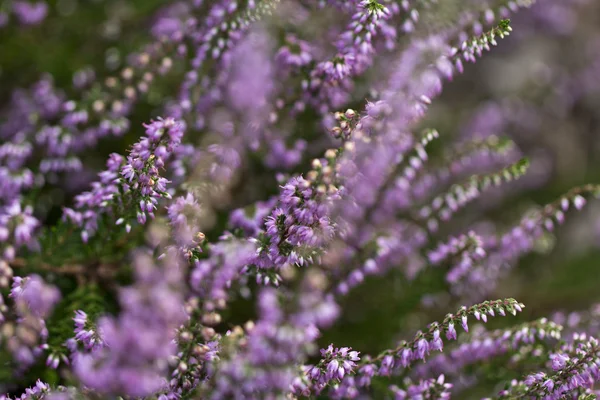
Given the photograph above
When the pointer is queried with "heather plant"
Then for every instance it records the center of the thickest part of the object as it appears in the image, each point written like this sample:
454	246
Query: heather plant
193	220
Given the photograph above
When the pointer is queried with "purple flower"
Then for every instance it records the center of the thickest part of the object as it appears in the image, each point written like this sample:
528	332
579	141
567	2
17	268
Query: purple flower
137	177
387	363
373	202
85	332
579	202
30	13
463	322
332	369
39	391
548	385
33	293
18	223
185	215
451	332
559	361
406	357
436	343
140	341
422	348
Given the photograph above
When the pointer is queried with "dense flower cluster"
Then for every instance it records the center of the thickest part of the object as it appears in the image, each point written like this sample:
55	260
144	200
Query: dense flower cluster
132	181
255	189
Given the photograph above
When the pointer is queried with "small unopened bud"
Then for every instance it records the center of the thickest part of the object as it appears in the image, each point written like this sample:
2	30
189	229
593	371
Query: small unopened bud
166	63
127	73
200	349
111	81
98	106
211	318
249	326
129	92
209	306
117	106
4	282
220	304
144	58
142	87
200	237
316	163
182	367
191	305
288	273
317	279
330	153
273	117
312	175
8	330
185	336
26	334
350	113
5	269
208	333
237	331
